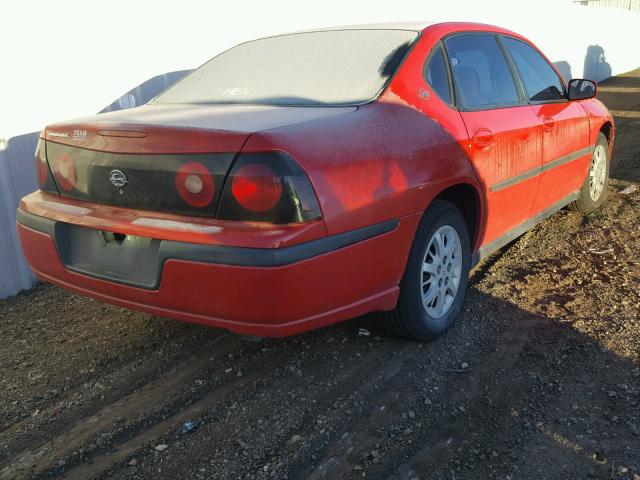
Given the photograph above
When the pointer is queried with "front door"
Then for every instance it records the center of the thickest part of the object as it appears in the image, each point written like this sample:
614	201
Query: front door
505	134
566	151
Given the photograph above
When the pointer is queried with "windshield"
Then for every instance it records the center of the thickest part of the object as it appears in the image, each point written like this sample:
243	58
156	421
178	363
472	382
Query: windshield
338	67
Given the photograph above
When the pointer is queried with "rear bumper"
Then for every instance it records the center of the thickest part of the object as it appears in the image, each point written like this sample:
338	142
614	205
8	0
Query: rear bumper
257	291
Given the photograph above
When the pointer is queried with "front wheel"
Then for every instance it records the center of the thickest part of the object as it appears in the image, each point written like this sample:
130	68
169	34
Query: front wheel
436	276
593	193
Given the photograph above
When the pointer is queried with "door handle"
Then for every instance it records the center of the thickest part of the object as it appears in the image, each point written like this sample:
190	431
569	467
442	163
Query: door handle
483	137
548	122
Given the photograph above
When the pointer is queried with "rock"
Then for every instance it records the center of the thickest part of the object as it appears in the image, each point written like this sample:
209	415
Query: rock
612	393
628	190
464	365
133	462
296	438
161	447
188	427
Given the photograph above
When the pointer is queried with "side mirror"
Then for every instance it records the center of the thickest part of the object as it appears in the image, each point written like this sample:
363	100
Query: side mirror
582	89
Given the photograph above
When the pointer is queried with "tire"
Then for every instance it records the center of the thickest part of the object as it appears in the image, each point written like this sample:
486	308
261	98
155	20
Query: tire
591	196
417	320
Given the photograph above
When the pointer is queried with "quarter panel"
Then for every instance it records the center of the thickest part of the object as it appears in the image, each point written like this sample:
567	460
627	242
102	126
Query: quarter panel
386	160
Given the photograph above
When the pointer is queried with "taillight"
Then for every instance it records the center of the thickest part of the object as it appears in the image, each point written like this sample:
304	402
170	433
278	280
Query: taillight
256	187
186	184
64	172
268	187
195	184
43	173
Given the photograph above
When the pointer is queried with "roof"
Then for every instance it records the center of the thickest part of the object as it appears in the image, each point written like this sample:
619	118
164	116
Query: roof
416	26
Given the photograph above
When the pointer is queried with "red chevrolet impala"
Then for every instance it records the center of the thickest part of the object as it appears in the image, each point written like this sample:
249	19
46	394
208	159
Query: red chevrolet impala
304	179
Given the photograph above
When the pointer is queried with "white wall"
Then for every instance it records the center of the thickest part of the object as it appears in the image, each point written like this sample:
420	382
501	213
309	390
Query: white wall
71	58
67	58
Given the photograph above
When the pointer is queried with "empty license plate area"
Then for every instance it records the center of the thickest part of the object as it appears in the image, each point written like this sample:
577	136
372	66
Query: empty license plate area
109	255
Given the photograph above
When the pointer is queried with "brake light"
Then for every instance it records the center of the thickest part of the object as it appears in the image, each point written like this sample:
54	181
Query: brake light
64	171
268	187
195	184
42	169
43	173
256	187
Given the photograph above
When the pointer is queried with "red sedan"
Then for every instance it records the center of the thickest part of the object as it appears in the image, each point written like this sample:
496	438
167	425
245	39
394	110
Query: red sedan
300	180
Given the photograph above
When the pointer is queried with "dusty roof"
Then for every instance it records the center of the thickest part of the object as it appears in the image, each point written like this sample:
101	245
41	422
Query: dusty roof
417	26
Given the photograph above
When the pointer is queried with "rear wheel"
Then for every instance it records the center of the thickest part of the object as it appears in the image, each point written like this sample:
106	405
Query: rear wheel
435	280
593	193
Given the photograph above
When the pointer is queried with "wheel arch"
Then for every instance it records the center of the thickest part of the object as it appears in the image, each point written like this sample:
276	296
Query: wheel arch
468	200
606	129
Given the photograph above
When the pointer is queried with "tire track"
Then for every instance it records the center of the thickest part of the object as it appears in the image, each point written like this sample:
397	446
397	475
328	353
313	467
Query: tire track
102	463
151	397
116	384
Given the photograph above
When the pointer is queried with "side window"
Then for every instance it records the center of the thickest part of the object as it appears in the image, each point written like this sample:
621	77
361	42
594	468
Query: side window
435	73
480	71
541	81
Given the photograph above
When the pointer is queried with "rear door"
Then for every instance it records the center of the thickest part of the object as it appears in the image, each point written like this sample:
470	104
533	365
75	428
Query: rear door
505	134
565	150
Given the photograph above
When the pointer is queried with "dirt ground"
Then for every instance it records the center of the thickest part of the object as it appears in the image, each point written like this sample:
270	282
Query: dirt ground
539	378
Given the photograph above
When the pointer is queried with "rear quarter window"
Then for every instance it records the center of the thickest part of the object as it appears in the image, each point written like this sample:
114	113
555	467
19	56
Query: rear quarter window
435	73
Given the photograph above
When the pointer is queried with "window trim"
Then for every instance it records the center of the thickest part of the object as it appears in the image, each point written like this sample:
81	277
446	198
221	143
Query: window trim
494	106
440	44
520	76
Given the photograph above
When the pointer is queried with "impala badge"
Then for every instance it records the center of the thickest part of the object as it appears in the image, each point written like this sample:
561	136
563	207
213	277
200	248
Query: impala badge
117	178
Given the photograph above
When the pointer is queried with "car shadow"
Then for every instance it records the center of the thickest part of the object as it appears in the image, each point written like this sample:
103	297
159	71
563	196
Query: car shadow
595	64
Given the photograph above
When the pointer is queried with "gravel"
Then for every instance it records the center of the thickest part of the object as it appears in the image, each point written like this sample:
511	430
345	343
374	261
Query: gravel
539	378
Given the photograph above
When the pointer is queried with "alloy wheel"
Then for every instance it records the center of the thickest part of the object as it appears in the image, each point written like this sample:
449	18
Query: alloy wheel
441	271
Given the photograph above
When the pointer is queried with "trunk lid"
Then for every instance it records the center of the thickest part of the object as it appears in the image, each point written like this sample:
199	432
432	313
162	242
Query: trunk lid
171	128
141	158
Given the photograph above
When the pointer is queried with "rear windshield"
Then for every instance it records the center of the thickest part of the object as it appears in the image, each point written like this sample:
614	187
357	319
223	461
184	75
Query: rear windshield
340	67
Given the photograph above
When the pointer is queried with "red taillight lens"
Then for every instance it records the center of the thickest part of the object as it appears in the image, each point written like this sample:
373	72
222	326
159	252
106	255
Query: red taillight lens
43	174
195	184
64	172
42	169
268	187
256	187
